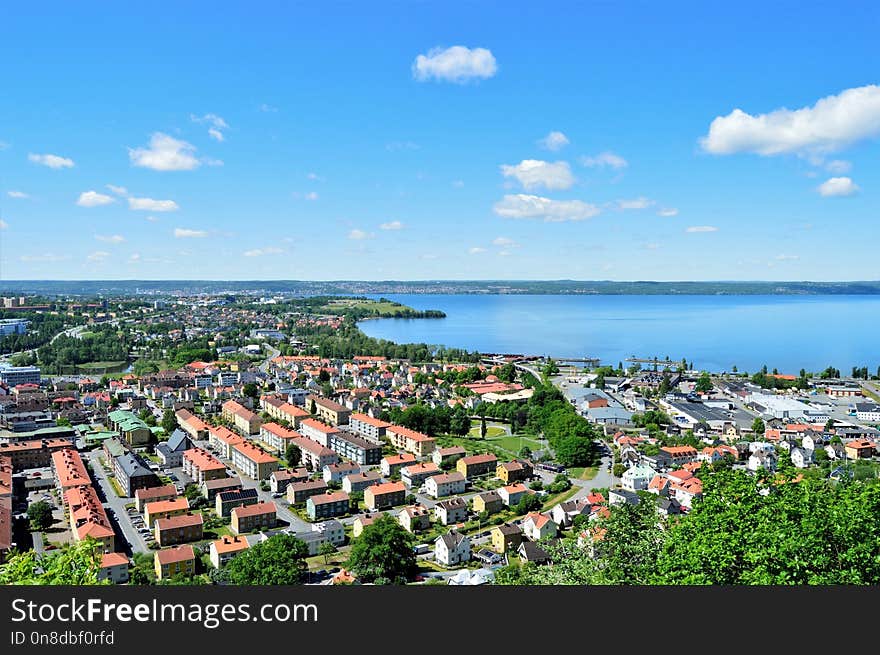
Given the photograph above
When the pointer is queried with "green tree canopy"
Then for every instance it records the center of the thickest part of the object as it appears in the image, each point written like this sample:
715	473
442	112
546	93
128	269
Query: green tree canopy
78	564
40	515
383	551
280	560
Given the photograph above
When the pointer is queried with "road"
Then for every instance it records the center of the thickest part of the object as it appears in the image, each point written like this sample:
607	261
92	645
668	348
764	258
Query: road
112	501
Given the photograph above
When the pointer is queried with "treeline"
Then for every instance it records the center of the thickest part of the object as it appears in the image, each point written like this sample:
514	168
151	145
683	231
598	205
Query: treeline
430	420
746	530
40	330
105	343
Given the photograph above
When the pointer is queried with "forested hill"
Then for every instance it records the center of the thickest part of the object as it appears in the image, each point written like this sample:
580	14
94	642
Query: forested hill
557	287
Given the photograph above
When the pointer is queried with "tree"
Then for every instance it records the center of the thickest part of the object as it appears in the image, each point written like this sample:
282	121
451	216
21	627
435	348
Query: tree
251	390
573	451
323	376
326	549
77	564
169	421
280	560
829	425
293	455
313	408
758	426
550	368
483	428
525	452
529	503
704	383
383	551
460	423
40	515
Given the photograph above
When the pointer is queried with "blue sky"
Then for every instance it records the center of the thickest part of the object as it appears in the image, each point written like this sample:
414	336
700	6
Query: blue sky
410	141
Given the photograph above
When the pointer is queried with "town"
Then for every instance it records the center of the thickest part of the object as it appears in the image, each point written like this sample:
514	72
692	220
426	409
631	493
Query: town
227	439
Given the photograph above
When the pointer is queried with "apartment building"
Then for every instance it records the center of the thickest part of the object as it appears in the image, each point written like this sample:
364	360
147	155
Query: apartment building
317	431
445	484
222	440
299	492
253	517
420	445
367	426
392	464
176	560
246	421
315	456
152	494
476	465
163	509
360	481
327	505
200	465
178	529
276	437
384	496
253	462
355	448
328	410
223	550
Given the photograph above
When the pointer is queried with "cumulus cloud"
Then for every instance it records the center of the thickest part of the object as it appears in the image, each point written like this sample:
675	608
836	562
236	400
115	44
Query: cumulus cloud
165	153
476	250
269	109
21	195
831	124
701	228
837	186
93	199
216	134
152	219
52	161
635	203
554	141
118	190
98	256
527	206
667	212
211	119
261	252
457	64
150	205
391	225
534	173
110	238
605	159
186	233
360	235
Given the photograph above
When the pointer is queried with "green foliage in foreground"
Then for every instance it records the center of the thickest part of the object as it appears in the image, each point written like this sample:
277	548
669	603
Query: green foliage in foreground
383	553
72	565
744	531
280	560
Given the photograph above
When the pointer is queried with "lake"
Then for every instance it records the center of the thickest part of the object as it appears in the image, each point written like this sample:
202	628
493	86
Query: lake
714	332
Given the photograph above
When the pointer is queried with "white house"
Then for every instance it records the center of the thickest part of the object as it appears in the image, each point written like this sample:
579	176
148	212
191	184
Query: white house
761	460
332	531
452	548
564	513
801	458
537	526
637	478
451	511
446	484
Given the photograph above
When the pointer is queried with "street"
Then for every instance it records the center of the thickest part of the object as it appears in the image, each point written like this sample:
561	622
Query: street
113	502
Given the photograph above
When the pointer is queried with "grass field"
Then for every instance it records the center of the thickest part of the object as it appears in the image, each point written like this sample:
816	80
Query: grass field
103	367
491	431
514	444
506	447
375	307
587	473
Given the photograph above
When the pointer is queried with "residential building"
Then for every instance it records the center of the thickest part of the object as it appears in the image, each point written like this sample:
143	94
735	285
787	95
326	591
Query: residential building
299	492
392	464
442	456
222	440
195	427
360	481
88	519
445	484
277	438
420	445
133	473
333	531
246	421
517	470
512	494
315	456
451	511
452	548
361	522
178	529
177	560
163	509
223	550
16	375
384	496
170	452
506	537
284	411
317	431
414	475
637	478
859	449
531	553
538	526
868	412
622	496
367	426
131	429
336	503
200	465
676	455
114	568
210	488
564	514
226	501
253	462
151	494
477	465
355	448
329	411
279	479
488	502
337	472
251	517
414	518
801	457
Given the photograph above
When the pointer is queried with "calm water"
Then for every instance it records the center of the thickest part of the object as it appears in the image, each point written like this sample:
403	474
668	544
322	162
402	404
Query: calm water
715	332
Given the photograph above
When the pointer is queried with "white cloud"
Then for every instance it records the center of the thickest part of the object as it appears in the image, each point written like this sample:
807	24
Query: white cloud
505	242
52	161
604	159
150	205
111	238
45	257
152	219
165	154
216	134
838	166
456	64
392	225
186	233
635	203
93	199
260	252
554	141
17	194
134	258
314	177
268	108
311	195
526	206
534	173
831	124
476	250
3	224
701	228
504	253
787	258
118	190
360	235
210	119
667	212
837	186
98	256
3	145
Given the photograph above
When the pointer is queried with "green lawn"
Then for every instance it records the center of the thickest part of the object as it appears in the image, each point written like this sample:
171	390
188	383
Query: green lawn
514	444
559	498
103	367
586	473
374	306
116	488
491	431
506	447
